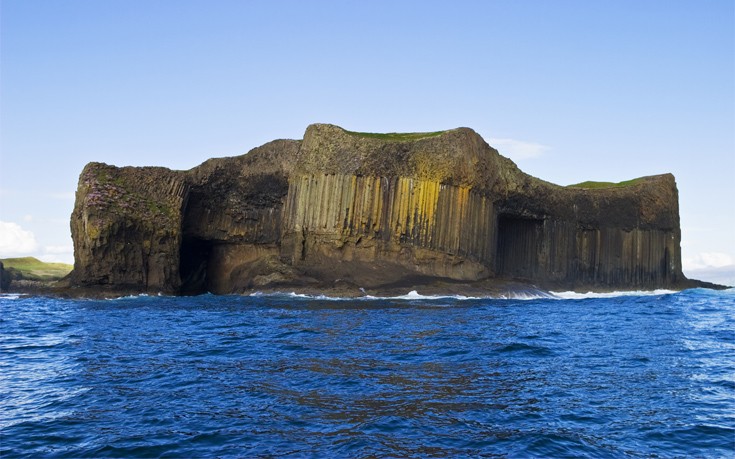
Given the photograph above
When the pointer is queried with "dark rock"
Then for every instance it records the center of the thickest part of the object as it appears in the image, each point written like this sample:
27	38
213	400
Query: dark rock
5	278
126	226
365	211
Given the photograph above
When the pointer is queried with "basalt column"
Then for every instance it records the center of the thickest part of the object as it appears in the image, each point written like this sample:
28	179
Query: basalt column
420	224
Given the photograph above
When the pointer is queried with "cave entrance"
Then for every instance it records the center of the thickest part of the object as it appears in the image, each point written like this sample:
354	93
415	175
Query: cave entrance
519	246
194	258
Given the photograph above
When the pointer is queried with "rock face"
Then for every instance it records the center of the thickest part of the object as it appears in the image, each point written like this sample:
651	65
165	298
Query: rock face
5	278
370	211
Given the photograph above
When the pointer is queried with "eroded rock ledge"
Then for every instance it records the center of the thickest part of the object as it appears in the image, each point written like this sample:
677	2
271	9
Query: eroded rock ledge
355	211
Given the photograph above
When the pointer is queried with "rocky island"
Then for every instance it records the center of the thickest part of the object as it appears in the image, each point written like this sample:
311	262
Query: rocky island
362	212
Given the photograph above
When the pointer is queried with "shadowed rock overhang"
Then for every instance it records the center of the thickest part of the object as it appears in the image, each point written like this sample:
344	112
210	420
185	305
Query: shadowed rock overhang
368	211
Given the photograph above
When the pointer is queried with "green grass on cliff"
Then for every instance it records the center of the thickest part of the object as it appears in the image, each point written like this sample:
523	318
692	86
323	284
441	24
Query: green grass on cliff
34	269
592	184
396	135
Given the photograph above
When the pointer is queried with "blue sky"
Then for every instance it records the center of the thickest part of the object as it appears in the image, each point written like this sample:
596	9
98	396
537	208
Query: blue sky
570	90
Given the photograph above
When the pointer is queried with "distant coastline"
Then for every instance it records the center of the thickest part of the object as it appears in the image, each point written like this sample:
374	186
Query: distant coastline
31	274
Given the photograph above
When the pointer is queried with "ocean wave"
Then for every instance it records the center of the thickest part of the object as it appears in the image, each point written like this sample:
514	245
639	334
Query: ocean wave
410	296
137	296
536	295
711	292
302	296
129	297
520	295
10	296
413	295
569	295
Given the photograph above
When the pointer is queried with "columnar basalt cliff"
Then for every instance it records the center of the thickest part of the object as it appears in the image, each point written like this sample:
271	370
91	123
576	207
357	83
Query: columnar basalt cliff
369	211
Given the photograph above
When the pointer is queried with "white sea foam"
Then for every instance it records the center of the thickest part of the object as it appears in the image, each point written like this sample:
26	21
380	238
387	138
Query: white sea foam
129	297
9	296
529	295
581	296
537	295
319	297
303	296
413	295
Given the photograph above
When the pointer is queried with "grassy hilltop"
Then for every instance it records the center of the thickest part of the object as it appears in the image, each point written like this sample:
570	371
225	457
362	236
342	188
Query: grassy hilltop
30	268
595	185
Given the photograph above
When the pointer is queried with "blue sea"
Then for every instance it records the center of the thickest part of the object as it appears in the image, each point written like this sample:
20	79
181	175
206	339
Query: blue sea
646	374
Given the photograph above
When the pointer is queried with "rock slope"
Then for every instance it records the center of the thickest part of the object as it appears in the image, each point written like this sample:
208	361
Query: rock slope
369	211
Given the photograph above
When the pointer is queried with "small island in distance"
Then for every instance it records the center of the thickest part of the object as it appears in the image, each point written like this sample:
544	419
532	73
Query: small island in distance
355	213
30	274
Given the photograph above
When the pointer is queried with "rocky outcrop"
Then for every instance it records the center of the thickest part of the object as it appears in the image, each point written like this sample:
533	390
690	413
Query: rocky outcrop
127	227
369	211
5	278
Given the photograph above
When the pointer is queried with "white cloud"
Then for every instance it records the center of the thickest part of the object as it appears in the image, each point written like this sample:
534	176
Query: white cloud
58	249
14	240
57	254
707	260
518	149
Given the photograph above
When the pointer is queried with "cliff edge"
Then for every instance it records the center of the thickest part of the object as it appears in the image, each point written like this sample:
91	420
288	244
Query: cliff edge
359	211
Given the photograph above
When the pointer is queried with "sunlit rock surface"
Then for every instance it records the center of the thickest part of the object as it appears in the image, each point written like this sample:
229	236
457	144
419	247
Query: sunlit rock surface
355	211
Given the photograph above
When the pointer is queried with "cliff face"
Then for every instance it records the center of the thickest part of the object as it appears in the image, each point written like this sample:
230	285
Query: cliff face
126	227
368	210
4	278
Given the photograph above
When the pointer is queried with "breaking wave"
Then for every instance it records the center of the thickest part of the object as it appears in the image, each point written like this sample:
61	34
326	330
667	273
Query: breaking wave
583	296
412	295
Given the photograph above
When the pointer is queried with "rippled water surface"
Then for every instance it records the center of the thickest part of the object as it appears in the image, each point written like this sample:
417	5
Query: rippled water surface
283	376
